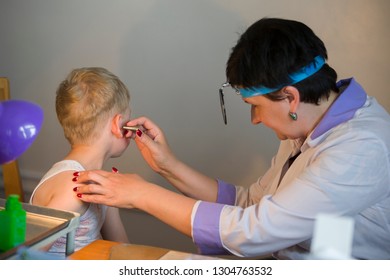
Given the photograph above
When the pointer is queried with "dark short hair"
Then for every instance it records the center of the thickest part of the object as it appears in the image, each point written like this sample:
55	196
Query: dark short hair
271	49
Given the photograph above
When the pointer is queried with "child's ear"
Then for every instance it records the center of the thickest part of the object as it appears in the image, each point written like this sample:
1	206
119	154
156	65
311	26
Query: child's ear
116	126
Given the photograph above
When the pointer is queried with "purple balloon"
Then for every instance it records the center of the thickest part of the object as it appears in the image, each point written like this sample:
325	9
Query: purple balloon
20	123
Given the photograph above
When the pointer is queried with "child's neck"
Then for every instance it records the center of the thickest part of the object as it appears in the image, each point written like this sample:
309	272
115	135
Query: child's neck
89	157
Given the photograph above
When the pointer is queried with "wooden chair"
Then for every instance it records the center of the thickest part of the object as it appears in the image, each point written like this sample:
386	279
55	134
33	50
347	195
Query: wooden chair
11	175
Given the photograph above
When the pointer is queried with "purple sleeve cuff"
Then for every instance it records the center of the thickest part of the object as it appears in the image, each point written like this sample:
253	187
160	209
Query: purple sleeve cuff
205	229
226	193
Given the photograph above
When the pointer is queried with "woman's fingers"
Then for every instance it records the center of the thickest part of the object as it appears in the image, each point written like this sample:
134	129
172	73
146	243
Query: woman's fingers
109	188
149	127
90	182
93	193
92	176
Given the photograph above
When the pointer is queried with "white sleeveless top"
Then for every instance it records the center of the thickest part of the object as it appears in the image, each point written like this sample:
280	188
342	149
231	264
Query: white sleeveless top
90	222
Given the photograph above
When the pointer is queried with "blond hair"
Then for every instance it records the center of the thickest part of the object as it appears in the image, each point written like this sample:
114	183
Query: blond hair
85	99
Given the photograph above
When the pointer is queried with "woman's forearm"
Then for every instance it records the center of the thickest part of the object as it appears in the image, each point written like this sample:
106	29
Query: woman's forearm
172	208
191	182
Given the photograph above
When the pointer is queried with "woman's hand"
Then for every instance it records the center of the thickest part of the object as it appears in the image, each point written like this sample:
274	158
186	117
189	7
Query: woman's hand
152	144
112	189
131	191
154	148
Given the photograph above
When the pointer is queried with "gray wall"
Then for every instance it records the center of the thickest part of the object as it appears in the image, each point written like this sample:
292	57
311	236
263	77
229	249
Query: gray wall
172	56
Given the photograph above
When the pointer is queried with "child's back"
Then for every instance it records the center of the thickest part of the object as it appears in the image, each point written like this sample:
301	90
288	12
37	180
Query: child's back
92	106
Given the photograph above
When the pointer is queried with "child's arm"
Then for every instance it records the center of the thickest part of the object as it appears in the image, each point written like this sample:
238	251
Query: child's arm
57	192
113	228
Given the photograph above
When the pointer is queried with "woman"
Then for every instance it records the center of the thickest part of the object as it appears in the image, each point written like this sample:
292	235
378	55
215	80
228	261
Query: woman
334	157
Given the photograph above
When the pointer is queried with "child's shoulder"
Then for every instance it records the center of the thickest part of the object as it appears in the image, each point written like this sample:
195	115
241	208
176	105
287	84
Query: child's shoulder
56	188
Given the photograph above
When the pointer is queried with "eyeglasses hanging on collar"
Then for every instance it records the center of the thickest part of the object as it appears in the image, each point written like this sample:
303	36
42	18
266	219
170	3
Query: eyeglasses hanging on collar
222	99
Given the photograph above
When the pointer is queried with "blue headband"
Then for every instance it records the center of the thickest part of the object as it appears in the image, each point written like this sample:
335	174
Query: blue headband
295	77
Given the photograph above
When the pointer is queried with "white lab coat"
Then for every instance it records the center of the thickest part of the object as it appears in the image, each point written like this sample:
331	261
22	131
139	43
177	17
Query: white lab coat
343	169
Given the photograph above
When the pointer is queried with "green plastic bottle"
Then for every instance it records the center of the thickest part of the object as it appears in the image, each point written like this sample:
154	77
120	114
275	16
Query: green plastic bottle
12	224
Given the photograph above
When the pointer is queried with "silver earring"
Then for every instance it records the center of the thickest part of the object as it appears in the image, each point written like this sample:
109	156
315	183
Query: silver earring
293	116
